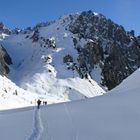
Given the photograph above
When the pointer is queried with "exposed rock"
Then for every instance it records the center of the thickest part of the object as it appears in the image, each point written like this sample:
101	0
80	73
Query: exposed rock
1	25
35	36
118	50
67	59
51	42
5	60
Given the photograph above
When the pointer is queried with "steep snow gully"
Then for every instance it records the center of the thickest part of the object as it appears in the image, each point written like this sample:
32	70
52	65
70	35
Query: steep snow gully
37	127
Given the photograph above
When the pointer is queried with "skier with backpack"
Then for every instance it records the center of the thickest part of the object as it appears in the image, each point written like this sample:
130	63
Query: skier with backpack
38	103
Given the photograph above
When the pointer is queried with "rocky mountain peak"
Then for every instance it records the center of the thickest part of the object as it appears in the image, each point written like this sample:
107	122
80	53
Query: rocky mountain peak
98	42
106	44
119	49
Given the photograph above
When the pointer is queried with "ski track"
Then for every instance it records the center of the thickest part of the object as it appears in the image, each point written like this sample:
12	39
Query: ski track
38	127
68	112
47	134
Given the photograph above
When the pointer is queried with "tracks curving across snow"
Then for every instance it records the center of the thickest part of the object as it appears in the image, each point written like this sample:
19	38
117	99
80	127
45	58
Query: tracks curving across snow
38	127
75	130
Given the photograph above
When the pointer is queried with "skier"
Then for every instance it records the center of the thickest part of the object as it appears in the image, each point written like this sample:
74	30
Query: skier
38	103
44	102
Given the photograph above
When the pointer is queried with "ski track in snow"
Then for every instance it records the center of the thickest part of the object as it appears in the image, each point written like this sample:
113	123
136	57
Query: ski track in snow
48	135
67	110
38	127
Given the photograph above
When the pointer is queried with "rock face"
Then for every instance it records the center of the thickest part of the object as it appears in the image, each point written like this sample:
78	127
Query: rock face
115	50
1	25
5	60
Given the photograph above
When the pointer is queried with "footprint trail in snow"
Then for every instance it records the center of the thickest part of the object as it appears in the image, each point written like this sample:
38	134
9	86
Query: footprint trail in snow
38	127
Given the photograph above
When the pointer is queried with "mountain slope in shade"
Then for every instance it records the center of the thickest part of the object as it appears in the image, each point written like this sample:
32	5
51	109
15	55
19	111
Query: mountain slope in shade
111	116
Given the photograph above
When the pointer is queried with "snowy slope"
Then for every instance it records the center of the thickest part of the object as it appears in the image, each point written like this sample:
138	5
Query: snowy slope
112	116
130	84
39	69
11	96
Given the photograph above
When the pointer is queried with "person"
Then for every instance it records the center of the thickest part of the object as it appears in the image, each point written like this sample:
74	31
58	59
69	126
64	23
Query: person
44	102
38	103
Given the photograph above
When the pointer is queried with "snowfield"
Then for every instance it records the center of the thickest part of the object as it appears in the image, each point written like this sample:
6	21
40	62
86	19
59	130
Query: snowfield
113	116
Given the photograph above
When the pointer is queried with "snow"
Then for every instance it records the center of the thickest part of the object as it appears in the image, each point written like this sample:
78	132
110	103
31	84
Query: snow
114	116
96	14
11	96
3	36
129	84
15	124
38	127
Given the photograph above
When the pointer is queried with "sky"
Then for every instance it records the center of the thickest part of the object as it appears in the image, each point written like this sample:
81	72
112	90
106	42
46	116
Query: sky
25	13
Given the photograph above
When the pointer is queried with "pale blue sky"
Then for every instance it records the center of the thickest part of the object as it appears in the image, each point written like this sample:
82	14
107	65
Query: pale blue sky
24	13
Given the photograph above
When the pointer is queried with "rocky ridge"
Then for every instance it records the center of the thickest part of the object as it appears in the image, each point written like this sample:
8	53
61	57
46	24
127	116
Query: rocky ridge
116	50
105	44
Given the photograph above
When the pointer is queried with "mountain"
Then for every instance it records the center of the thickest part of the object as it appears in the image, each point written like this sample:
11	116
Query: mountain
112	116
71	58
111	47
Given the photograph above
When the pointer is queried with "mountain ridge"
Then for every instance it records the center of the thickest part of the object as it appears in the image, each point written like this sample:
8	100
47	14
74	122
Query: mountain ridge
72	57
